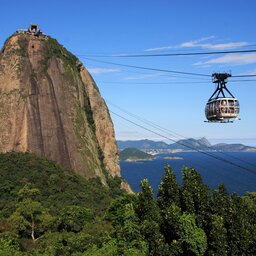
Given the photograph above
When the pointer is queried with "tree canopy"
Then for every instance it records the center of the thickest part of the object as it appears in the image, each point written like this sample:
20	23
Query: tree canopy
46	209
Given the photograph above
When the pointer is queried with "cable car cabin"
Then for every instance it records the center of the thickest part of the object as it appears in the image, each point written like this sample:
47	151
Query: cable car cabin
222	110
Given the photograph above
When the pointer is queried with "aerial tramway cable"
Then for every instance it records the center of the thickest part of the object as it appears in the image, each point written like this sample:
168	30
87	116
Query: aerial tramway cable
190	147
168	83
161	70
148	68
183	73
120	55
176	135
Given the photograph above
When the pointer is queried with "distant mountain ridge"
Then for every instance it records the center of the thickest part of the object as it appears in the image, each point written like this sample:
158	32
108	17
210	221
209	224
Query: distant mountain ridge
185	144
142	144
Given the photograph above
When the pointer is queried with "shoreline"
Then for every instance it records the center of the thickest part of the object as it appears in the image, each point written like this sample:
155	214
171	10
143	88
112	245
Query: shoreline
130	160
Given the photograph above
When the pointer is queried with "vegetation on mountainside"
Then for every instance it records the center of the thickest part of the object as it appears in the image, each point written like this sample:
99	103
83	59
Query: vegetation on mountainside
56	50
58	186
46	209
134	154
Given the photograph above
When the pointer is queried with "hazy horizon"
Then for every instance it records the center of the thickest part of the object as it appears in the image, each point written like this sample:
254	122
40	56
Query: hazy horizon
247	141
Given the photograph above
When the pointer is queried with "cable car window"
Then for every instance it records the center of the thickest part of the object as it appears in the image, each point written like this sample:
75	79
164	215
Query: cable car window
224	102
231	103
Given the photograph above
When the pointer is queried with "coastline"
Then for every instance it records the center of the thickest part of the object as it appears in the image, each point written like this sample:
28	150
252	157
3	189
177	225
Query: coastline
131	160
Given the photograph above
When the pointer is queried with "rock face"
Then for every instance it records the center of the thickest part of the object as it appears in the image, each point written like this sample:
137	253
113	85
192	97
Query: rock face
50	106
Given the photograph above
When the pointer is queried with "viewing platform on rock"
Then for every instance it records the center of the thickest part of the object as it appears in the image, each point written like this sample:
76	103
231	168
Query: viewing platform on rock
33	29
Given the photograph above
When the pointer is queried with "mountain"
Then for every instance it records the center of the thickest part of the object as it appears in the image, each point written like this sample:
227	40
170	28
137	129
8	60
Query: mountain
159	145
233	147
51	106
185	144
190	144
134	154
142	144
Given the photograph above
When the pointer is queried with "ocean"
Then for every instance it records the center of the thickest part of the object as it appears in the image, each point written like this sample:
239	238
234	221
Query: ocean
212	170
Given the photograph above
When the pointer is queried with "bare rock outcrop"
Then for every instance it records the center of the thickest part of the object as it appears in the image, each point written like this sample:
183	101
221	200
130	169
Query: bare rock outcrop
51	106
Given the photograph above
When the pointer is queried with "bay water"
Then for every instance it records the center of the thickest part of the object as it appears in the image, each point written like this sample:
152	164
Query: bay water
239	177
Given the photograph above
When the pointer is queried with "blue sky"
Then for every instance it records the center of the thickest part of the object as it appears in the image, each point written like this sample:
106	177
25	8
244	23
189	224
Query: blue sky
175	102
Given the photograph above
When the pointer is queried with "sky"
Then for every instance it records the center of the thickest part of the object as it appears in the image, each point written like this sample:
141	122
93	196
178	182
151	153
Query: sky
96	30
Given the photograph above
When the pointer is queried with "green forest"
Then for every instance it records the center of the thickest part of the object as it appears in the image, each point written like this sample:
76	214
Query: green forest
46	209
134	154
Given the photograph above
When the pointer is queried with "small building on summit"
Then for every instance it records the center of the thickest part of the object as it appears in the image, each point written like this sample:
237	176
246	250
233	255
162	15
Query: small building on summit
34	29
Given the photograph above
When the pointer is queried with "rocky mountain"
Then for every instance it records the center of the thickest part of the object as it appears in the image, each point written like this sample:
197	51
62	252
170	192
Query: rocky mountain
51	106
190	144
185	144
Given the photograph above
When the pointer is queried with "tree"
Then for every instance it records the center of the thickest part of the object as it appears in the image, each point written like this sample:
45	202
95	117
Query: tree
147	207
9	242
192	239
129	237
217	241
171	223
73	218
195	196
52	243
238	227
221	201
108	249
116	211
28	191
168	190
249	201
30	217
127	226
148	213
156	242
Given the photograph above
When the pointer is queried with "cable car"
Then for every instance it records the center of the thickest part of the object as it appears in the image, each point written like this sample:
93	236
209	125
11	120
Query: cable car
221	107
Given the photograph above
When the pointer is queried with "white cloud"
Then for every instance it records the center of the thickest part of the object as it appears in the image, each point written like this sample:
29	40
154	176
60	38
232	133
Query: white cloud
102	70
160	48
198	44
194	43
224	46
182	45
231	59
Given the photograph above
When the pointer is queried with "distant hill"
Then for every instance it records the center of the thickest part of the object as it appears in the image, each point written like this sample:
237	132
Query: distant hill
233	147
185	144
142	144
189	144
134	154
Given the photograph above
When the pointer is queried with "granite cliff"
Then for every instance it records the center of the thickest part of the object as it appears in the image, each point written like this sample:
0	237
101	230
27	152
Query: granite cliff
51	106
